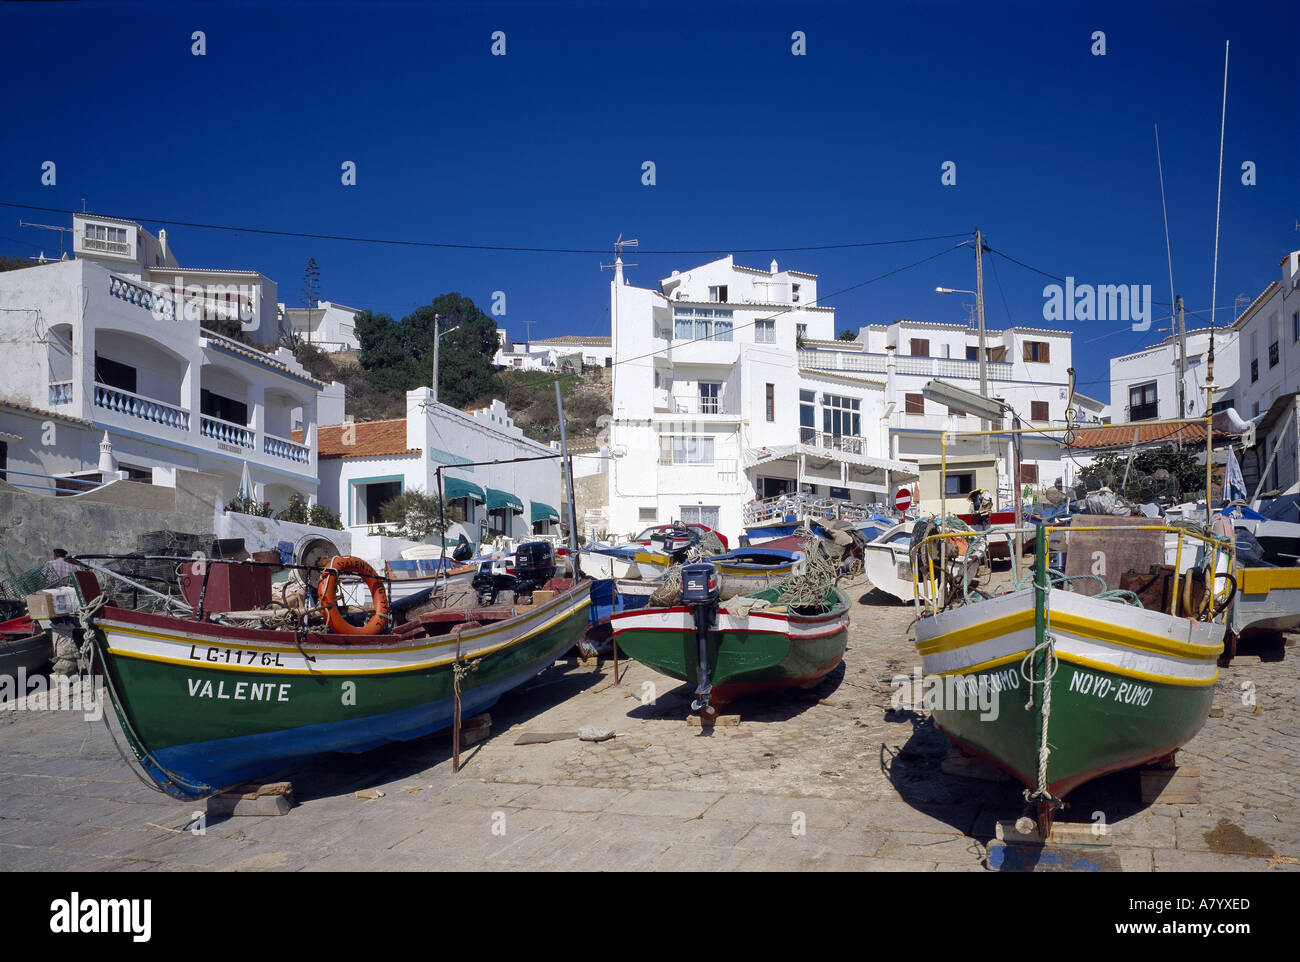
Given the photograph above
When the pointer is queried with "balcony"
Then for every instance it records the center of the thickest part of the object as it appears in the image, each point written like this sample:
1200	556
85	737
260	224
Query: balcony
833	442
60	393
284	448
143	408
1144	412
694	404
864	363
909	421
226	432
161	305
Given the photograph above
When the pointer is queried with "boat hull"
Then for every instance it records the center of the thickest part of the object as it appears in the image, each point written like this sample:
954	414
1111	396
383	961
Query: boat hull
25	654
1267	601
757	652
1130	686
207	706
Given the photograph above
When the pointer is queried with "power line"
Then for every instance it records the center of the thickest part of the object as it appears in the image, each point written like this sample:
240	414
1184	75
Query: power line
498	248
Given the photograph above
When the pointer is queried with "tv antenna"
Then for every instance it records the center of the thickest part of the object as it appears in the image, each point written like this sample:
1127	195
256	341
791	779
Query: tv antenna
23	223
618	250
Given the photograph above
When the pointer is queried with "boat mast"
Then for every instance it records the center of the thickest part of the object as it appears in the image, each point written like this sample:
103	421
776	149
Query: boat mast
567	467
1214	290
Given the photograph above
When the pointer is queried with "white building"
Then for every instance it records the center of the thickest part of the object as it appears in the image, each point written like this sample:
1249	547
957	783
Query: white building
364	464
712	408
1144	385
1269	373
545	354
1025	367
329	326
119	352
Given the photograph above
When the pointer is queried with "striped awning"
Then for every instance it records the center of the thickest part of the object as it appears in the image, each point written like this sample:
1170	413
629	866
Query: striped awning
453	488
498	500
543	512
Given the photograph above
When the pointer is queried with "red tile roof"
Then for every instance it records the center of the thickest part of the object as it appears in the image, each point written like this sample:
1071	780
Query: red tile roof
364	439
1147	434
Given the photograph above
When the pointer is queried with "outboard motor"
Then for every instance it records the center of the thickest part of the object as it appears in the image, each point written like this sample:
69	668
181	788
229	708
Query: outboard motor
489	581
463	551
701	592
678	540
534	566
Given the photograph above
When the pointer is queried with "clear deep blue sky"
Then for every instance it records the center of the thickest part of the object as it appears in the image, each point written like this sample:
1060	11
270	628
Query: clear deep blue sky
754	147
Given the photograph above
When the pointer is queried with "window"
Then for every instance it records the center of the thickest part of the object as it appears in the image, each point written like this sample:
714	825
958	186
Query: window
1038	411
685	449
794	293
840	415
225	408
801	330
1272	355
718	294
1295	325
371	498
972	353
807	417
701	323
1142	402
114	235
647	514
1029	474
1219	405
998	353
114	373
963	483
705	514
841	494
710	395
920	347
774	487
914	404
765	331
771	403
1254	371
609	361
1038	352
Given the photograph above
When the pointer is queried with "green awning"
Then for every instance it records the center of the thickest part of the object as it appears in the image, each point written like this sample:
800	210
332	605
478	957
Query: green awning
543	512
496	500
453	488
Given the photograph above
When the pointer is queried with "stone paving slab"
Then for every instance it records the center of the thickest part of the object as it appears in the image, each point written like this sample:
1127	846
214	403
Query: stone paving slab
663	795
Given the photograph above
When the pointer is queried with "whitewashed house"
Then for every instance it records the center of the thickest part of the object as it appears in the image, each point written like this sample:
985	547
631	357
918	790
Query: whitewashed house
1144	385
106	344
364	464
1268	375
596	351
328	326
521	357
1024	367
712	408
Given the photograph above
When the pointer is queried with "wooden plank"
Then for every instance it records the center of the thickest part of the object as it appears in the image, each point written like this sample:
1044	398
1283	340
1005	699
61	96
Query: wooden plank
275	798
1170	786
542	738
698	721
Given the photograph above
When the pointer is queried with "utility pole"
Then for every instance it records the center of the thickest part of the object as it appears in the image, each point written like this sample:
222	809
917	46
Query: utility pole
979	310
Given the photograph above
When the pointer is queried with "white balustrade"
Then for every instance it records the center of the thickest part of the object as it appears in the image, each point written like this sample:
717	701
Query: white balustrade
60	392
146	409
284	448
226	432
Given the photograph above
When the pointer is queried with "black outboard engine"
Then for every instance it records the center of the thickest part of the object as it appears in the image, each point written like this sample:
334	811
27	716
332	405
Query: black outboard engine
678	540
464	550
534	566
701	591
489	581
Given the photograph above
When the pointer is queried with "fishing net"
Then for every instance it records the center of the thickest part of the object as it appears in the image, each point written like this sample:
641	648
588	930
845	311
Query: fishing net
811	587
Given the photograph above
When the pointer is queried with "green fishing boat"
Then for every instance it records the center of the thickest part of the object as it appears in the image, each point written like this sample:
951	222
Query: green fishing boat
1058	687
738	649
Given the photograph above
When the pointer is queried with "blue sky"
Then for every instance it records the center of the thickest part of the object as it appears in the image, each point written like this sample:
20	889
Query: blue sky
754	148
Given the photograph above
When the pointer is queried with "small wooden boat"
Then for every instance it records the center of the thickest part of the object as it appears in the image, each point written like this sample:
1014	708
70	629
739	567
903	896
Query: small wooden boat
23	646
728	655
609	562
1108	685
746	570
887	562
1267	601
207	705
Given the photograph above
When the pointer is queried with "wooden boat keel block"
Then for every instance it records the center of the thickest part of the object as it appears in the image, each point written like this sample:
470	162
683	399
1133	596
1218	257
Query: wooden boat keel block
275	798
1169	785
700	721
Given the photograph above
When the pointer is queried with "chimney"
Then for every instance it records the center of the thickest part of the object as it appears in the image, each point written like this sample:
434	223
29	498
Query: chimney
773	265
107	463
162	242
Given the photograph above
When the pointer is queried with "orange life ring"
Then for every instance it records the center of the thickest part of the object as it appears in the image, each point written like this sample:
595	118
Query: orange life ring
329	580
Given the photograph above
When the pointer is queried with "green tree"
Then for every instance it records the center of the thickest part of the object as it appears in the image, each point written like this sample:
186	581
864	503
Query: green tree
847	336
398	356
413	514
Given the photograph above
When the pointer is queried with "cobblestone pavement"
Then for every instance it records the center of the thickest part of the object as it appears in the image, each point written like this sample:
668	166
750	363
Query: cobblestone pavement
830	779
